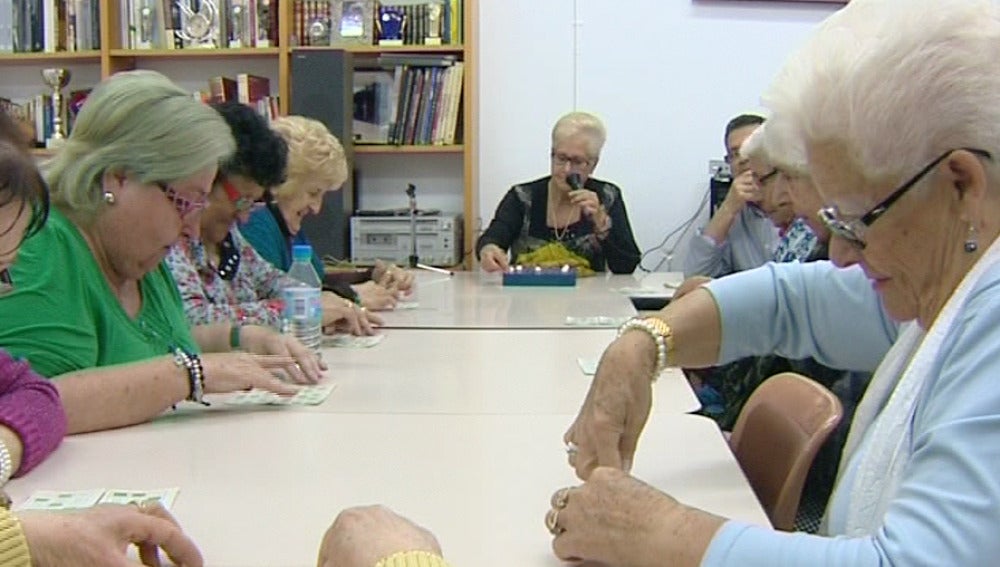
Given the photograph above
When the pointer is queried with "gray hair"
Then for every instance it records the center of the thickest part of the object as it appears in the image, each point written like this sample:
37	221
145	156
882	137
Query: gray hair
584	124
896	81
137	122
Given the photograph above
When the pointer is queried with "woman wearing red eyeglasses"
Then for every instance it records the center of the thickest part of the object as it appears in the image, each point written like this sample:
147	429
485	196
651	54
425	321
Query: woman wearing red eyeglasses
220	276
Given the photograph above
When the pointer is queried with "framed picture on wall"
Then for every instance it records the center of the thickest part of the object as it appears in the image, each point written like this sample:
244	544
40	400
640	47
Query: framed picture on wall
352	22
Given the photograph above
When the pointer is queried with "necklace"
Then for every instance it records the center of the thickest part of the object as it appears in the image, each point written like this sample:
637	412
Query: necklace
560	235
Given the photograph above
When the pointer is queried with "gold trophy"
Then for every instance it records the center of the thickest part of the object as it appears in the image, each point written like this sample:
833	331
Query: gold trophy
57	78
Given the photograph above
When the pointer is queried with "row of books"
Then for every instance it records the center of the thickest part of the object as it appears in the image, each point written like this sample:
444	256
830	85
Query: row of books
247	89
334	22
49	25
37	113
186	24
408	105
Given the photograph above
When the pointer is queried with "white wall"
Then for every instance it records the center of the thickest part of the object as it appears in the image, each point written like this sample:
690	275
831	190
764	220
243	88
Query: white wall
665	75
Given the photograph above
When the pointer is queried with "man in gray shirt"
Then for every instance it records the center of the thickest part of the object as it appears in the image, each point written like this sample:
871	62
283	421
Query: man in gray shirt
739	235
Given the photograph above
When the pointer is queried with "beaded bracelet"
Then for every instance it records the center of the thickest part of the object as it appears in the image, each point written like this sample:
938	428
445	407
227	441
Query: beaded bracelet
196	374
662	335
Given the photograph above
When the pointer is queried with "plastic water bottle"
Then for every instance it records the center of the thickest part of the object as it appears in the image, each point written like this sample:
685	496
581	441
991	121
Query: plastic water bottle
303	315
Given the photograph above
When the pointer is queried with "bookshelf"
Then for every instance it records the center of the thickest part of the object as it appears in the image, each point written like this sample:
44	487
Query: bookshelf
113	56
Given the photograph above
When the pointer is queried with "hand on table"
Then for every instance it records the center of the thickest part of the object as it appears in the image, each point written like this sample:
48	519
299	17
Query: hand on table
392	277
100	537
360	537
613	519
607	428
344	316
493	259
284	352
374	297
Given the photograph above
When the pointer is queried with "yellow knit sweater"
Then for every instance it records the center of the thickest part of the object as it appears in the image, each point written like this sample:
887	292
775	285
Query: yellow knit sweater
13	546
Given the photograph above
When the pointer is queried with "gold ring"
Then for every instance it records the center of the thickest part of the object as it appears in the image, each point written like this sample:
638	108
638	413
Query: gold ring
552	522
560	498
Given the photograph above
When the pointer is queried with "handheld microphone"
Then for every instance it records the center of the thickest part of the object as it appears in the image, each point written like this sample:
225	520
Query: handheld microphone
574	181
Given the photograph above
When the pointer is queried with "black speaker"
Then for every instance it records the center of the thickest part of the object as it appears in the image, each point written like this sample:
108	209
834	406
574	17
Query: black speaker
322	87
718	188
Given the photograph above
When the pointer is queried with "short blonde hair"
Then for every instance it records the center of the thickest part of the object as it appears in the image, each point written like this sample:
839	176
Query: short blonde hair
142	123
581	123
315	156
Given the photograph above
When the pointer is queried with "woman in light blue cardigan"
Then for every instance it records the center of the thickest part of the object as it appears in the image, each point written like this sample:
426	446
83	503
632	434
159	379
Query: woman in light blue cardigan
892	106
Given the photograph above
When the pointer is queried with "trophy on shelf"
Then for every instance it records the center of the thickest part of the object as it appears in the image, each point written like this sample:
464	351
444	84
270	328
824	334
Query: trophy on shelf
433	24
200	23
391	22
57	78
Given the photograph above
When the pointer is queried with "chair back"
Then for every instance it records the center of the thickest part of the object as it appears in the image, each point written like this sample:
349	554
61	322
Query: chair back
776	437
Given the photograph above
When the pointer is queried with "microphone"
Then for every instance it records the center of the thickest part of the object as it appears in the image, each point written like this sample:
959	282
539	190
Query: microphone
574	181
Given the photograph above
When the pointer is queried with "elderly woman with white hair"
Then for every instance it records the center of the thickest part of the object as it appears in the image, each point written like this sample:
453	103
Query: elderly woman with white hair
568	206
93	307
893	104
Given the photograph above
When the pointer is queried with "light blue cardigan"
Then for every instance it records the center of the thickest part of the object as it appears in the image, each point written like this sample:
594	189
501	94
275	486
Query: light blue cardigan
947	508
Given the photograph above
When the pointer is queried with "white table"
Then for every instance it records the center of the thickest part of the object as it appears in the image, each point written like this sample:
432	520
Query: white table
259	486
479	300
479	372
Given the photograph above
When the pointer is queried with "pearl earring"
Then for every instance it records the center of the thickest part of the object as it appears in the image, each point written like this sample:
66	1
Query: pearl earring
971	240
108	197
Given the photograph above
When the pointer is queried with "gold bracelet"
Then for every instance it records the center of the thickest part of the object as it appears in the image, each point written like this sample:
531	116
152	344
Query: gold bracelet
662	335
412	559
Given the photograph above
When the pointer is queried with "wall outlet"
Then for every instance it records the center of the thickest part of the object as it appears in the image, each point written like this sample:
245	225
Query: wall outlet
718	168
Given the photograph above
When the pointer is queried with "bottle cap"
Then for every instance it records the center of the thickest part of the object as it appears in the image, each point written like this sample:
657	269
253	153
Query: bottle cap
302	252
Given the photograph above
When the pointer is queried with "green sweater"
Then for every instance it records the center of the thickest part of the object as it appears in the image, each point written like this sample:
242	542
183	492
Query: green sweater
63	317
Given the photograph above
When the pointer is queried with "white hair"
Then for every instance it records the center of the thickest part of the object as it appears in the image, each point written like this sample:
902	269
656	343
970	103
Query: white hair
898	82
581	123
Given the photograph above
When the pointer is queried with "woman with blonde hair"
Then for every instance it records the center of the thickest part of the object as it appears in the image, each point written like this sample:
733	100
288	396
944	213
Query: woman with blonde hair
316	165
568	206
93	306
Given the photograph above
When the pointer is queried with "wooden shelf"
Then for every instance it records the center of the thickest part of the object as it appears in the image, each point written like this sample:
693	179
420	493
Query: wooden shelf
427	149
57	57
196	53
389	49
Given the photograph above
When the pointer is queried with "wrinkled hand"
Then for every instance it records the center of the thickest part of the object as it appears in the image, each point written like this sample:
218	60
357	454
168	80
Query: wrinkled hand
607	429
742	191
360	537
493	259
304	366
237	371
344	316
374	297
100	537
614	519
689	285
392	277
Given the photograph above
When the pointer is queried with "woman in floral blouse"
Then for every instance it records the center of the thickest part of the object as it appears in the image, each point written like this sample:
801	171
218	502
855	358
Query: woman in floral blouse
220	276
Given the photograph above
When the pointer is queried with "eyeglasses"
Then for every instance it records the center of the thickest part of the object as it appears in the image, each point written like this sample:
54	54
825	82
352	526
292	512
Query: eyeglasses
6	282
762	181
853	231
243	204
183	205
562	159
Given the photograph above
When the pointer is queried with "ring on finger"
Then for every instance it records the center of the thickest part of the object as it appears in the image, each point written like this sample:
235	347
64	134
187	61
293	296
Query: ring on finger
552	522
560	498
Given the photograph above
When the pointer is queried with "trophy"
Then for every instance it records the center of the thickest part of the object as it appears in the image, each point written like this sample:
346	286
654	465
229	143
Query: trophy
391	22
433	24
57	79
200	23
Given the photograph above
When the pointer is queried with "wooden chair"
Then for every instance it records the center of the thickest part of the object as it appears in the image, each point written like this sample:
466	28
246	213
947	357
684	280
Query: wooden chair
776	437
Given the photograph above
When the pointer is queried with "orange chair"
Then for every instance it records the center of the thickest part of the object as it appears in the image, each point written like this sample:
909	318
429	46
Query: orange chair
776	437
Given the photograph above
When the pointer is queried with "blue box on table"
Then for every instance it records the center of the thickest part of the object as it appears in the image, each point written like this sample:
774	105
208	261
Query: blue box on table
538	276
